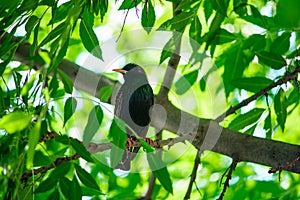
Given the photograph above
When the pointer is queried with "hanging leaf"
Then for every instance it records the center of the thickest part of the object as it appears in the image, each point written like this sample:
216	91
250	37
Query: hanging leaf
117	135
252	84
195	33
86	178
223	36
220	6
69	108
148	16
246	119
81	151
68	83
281	44
9	121
273	60
186	82
33	139
255	42
89	39
280	108
93	124
105	93
158	167
128	4
58	30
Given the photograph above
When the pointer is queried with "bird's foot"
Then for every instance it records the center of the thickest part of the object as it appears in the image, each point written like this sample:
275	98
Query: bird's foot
149	141
129	144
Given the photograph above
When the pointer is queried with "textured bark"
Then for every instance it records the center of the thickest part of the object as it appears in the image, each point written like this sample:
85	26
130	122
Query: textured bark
208	134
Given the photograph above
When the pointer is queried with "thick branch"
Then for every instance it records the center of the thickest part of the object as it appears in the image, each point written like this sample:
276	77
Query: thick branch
231	143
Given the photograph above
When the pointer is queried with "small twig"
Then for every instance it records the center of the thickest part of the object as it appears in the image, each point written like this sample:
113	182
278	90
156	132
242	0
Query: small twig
288	165
229	175
285	79
42	170
193	175
123	25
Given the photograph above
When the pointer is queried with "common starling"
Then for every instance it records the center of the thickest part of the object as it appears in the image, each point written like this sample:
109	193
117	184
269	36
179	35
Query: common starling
133	103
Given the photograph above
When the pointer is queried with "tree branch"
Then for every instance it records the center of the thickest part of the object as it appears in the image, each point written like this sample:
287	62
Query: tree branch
285	79
246	147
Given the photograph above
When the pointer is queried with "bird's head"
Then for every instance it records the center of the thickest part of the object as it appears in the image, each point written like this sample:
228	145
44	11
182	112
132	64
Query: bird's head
132	71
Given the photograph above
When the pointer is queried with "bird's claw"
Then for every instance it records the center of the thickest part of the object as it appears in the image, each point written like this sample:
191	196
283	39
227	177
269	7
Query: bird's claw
129	144
149	141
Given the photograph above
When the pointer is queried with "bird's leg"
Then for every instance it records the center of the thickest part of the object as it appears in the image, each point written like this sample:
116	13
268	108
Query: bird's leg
129	144
149	141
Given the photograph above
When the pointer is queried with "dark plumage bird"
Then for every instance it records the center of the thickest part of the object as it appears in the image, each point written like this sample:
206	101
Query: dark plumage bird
133	103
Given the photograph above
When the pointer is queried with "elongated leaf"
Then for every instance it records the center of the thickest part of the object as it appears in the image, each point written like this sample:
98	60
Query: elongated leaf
117	135
220	6
268	126
81	151
94	121
89	39
86	178
280	108
158	167
54	195
69	109
46	185
86	191
246	119
178	22
61	170
33	139
253	84
273	60
9	121
255	42
76	193
148	16
58	30
105	93
127	4
68	83
281	44
61	12
223	36
65	185
186	82
195	33
31	23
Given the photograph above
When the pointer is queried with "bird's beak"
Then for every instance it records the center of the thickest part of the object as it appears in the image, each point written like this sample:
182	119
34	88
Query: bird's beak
122	71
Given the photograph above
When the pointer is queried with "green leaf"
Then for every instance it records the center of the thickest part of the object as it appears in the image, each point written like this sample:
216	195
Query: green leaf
89	39
86	178
178	22
61	12
28	85
118	136
195	33
220	6
65	185
33	139
252	84
68	83
148	16
54	195
93	124
223	36
53	86
2	102
208	10
127	4
61	170
69	108
162	174
76	193
273	60
280	108
81	151
86	191
255	42
9	121
185	82
268	126
281	44
246	119
46	185
58	30
105	93
31	23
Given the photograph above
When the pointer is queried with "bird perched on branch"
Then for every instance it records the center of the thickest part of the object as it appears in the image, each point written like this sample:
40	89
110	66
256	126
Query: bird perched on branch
133	103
